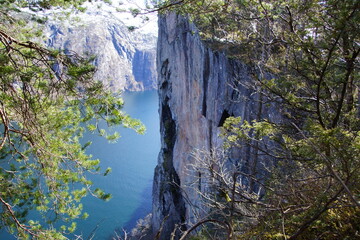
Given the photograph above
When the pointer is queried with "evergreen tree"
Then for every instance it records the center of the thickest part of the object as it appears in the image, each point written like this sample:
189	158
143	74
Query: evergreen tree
305	58
47	100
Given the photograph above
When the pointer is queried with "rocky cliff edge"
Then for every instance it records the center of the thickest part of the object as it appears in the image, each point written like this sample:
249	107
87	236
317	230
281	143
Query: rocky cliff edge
198	88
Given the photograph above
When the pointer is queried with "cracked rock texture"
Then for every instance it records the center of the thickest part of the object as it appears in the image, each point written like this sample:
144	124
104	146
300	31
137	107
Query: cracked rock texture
125	60
198	88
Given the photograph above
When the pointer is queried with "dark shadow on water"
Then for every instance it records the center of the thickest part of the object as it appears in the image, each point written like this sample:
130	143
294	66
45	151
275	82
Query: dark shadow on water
142	211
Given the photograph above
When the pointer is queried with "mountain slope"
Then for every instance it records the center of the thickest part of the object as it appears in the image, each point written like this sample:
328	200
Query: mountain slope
125	59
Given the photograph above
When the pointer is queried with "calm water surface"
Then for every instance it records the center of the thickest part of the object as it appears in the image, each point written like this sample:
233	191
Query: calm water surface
132	159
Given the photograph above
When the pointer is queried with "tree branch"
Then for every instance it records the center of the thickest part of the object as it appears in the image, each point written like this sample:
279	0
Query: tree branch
226	224
17	222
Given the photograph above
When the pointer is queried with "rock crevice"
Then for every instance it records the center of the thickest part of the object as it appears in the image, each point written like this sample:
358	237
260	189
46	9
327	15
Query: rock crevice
199	88
125	60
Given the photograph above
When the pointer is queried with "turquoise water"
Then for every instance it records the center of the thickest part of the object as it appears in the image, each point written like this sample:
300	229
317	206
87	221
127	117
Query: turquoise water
132	159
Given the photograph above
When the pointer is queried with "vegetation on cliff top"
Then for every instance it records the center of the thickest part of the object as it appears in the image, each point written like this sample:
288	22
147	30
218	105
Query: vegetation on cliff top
304	57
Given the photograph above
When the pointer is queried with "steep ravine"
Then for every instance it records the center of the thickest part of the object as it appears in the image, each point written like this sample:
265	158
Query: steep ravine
198	89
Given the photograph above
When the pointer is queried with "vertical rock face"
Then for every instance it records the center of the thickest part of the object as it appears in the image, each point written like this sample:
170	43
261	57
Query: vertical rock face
198	89
143	67
125	60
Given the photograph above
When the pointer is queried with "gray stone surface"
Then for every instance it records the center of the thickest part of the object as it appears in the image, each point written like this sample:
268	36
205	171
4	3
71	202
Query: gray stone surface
198	88
125	60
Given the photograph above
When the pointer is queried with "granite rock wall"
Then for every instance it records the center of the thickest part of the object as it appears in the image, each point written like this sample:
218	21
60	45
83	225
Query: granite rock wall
125	60
199	88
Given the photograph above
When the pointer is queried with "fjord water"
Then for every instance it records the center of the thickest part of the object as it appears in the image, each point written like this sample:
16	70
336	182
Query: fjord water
132	159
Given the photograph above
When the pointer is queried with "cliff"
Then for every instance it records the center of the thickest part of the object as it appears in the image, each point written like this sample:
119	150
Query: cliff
198	88
125	60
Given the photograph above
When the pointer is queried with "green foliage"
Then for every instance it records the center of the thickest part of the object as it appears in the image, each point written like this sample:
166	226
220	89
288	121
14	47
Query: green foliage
315	67
134	11
131	28
47	100
304	55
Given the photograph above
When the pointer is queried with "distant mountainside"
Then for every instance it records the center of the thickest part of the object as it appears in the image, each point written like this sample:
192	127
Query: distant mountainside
125	58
